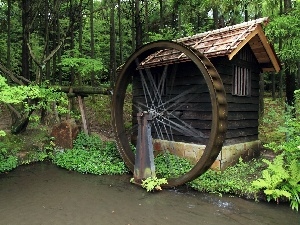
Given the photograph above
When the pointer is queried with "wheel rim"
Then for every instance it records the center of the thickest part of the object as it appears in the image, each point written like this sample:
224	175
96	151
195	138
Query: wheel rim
165	108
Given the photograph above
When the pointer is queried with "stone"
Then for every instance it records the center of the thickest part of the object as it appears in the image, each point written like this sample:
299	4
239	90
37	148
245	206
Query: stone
65	133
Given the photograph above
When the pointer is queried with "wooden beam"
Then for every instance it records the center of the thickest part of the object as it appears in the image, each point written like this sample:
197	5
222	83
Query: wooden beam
85	90
242	44
267	48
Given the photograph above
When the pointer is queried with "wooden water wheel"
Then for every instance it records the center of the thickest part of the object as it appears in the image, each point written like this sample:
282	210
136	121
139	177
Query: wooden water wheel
172	99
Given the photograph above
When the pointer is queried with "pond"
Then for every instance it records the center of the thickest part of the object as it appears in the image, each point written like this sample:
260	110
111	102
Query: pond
42	193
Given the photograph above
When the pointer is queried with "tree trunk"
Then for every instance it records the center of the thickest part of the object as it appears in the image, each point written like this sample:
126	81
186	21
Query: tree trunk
133	25
216	17
112	45
161	15
56	41
281	73
146	21
59	52
8	41
80	34
138	25
261	96
246	12
92	43
120	33
273	86
290	87
290	76
25	38
47	52
175	14
72	40
287	4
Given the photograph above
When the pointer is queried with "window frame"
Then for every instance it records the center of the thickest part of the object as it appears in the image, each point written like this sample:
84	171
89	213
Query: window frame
241	81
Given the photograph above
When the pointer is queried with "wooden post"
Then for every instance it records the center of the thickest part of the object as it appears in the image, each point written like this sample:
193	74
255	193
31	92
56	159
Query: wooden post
82	112
144	159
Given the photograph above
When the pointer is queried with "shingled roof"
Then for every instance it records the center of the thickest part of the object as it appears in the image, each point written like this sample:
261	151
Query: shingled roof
227	41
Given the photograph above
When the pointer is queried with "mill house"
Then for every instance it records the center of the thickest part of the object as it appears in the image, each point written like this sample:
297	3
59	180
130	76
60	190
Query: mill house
240	54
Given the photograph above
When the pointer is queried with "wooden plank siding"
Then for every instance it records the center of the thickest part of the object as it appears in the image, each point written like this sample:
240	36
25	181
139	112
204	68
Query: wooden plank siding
242	110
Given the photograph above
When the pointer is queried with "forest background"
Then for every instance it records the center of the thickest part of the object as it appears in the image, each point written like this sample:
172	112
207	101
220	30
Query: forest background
83	42
69	42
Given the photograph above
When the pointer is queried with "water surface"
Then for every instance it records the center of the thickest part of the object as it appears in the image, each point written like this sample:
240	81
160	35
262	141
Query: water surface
44	194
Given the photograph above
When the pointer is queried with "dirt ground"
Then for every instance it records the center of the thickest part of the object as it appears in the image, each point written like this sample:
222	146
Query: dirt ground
104	131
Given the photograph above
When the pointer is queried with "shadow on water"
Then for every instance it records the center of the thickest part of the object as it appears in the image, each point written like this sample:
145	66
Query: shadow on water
42	193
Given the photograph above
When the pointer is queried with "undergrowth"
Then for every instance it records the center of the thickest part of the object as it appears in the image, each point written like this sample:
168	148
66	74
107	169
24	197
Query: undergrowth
278	179
233	180
91	155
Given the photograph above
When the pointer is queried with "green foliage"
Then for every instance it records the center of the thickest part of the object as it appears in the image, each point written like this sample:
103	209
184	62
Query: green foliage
286	28
153	183
2	133
280	180
91	155
8	161
234	180
9	146
18	94
168	165
36	156
84	66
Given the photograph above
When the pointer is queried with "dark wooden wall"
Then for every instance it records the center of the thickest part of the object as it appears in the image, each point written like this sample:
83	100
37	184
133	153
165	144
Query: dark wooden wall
243	111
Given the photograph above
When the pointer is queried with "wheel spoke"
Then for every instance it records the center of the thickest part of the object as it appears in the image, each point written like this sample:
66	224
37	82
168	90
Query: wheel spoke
181	126
156	91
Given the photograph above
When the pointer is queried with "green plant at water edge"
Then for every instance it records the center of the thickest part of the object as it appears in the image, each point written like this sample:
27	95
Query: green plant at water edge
282	177
91	155
7	161
279	180
36	156
233	180
153	183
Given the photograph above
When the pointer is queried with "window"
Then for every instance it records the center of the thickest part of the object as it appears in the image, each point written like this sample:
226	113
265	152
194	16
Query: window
241	85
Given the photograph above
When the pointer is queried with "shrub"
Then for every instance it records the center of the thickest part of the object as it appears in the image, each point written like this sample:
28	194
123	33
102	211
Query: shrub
7	161
91	155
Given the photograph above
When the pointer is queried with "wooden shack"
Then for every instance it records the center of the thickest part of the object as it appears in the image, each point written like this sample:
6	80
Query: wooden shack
240	53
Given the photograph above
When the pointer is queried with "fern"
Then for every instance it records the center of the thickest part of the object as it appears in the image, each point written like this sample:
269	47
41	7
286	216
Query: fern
280	180
293	184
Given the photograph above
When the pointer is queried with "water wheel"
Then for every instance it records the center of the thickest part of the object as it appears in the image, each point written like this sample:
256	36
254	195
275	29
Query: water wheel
186	109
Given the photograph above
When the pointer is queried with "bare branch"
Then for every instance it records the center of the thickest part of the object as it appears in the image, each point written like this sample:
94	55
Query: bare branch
10	74
33	57
52	53
13	110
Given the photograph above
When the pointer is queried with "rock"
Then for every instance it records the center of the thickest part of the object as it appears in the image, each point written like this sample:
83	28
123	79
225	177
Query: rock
65	133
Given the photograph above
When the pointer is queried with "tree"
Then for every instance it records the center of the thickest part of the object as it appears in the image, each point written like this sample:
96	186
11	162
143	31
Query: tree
112	44
286	28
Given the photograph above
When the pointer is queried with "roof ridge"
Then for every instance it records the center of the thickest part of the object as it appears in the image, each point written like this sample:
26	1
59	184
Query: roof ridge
224	29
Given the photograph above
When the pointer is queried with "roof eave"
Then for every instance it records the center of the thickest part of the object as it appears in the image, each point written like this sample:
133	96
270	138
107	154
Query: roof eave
269	50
